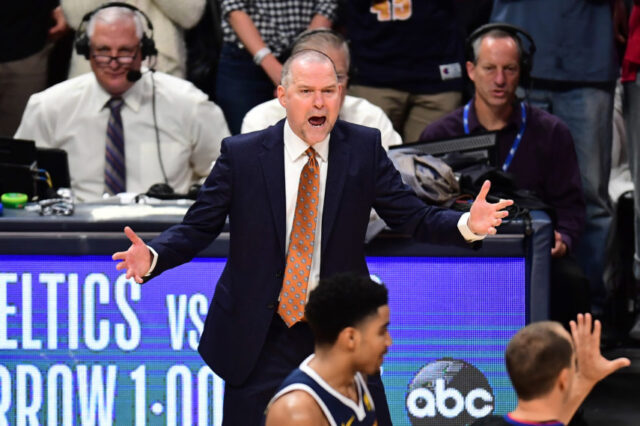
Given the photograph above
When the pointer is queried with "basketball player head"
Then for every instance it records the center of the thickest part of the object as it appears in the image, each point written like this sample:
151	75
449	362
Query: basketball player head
349	314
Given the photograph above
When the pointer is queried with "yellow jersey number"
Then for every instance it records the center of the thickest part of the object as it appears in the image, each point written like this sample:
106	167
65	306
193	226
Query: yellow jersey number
391	10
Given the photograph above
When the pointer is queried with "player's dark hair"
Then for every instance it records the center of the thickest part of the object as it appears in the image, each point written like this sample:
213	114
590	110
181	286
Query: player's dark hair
340	302
535	357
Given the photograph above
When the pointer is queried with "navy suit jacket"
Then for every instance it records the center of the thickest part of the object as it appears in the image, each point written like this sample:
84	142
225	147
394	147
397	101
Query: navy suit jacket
247	185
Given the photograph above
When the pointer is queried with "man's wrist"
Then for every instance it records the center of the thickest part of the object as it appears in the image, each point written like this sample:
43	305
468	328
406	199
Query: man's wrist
154	260
467	233
260	55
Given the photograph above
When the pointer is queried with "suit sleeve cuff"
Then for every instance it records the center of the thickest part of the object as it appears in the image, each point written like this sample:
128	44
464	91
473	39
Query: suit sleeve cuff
463	227
154	259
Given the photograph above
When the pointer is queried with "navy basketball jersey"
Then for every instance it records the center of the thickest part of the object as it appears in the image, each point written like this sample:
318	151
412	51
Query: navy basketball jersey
337	408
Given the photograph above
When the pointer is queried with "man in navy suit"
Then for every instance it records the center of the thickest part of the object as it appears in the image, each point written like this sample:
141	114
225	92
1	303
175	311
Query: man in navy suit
255	183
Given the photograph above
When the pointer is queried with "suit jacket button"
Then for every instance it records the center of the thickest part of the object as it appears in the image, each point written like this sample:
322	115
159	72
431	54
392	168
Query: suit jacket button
271	306
279	274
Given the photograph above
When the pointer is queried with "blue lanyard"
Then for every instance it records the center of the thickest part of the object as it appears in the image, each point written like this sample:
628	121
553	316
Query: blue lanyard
516	142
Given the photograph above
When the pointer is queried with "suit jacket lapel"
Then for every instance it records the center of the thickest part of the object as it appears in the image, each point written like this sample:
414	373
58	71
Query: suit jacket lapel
272	161
336	174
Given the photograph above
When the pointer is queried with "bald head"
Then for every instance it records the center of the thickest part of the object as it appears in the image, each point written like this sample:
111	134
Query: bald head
304	57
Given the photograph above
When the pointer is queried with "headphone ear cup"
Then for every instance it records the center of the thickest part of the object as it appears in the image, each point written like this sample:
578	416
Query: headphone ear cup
82	45
525	69
148	47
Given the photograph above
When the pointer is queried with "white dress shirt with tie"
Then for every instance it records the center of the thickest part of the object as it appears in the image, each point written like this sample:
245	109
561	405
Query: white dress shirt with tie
73	116
294	160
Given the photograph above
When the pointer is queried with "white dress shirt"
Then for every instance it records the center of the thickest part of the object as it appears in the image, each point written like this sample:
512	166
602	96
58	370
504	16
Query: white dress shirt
294	161
354	110
73	116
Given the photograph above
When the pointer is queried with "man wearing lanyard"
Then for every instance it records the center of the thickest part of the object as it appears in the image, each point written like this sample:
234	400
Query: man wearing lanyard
534	146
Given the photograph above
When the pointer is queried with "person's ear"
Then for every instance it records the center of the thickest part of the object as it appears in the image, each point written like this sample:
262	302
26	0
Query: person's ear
563	380
280	91
471	70
349	338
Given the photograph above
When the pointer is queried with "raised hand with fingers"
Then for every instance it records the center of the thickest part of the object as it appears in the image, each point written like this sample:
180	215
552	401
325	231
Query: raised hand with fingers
485	217
136	260
592	366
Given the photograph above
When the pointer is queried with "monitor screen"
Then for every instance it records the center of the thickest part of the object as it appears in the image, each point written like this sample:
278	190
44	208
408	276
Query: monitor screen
80	342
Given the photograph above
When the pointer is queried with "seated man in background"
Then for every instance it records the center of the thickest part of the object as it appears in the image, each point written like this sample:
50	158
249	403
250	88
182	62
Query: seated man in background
349	316
532	145
353	109
170	20
123	129
552	374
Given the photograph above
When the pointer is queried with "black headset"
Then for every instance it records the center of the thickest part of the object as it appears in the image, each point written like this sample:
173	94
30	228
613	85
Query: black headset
147	45
526	54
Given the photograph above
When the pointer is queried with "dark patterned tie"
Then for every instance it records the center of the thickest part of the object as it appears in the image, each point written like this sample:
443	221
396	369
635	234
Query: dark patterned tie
293	295
115	176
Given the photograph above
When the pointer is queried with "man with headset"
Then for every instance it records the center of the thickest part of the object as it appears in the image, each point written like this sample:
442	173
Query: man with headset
124	128
534	146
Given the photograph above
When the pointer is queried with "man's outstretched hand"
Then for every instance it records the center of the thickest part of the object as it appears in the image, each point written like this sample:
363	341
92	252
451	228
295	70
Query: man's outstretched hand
136	260
592	366
486	217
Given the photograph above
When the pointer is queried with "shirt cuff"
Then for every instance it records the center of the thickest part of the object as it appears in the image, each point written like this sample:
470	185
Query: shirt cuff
154	260
463	227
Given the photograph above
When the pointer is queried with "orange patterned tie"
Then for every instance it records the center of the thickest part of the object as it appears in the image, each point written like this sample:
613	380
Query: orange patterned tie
293	295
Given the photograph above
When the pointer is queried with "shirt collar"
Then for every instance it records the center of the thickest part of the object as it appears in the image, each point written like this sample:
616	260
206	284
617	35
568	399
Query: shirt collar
132	98
295	147
515	119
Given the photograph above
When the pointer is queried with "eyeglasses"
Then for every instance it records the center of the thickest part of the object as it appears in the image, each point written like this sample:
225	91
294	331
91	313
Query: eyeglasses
105	60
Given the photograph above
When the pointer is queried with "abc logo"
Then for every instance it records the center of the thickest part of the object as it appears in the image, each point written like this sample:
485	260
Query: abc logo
448	392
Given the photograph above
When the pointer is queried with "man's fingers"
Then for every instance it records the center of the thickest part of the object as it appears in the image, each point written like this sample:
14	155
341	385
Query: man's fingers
574	328
121	255
619	363
120	266
580	321
502	204
482	195
597	329
491	231
132	236
138	279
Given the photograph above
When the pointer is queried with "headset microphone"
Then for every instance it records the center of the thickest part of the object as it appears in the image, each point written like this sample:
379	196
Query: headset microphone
134	75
